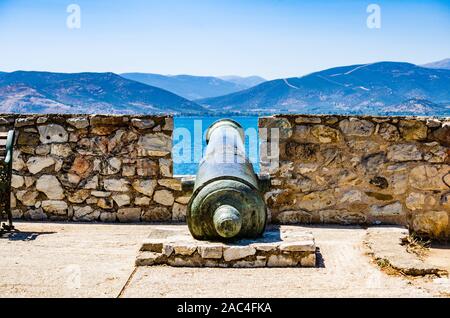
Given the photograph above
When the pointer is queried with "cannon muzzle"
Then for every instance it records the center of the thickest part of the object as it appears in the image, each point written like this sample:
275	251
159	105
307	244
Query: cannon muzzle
226	201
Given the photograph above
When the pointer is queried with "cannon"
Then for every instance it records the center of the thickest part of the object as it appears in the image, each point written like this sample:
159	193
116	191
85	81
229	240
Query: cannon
226	202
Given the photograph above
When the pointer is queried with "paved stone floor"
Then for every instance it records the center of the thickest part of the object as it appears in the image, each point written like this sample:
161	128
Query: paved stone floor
96	260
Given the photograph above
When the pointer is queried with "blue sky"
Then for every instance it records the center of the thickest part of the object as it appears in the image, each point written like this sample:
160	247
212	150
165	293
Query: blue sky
271	38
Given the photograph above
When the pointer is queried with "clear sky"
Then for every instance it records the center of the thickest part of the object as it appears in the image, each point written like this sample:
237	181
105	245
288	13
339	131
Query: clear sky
271	38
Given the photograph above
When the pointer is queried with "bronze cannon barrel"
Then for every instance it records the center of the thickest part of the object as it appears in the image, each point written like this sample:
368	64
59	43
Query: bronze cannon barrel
226	201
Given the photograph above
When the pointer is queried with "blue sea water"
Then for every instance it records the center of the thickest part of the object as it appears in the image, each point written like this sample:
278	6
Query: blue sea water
193	131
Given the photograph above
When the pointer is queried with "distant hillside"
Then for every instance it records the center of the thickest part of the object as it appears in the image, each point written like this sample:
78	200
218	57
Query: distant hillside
443	64
370	89
45	92
191	87
246	82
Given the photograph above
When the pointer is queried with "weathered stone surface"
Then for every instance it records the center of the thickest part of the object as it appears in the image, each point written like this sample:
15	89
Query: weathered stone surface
443	135
374	163
157	214
164	197
445	201
105	203
281	260
79	196
128	171
152	245
129	214
146	168
143	123
433	224
398	183
299	246
326	134
282	125
302	134
24	122
85	213
185	249
27	139
404	152
118	185
308	260
91	183
168	124
28	198
108	216
100	194
42	150
211	251
413	130
55	207
113	166
142	201
50	185
317	200
52	134
37	164
61	150
394	209
122	199
36	214
17	181
428	177
342	217
81	166
165	167
232	253
146	187
156	145
357	127
294	217
184	199
388	132
18	164
173	184
78	122
419	201
352	196
179	212
13	200
307	120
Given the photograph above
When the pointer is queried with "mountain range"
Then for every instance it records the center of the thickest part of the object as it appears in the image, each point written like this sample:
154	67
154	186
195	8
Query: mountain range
45	92
443	64
196	87
377	88
382	88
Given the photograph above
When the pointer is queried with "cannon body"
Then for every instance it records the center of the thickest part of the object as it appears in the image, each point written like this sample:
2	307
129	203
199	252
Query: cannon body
226	201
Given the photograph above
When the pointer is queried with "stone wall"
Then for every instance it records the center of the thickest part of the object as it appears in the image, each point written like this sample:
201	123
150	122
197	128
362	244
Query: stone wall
89	168
332	169
361	170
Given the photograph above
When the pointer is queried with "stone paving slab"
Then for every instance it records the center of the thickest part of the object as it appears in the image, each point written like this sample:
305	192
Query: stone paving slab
385	244
282	246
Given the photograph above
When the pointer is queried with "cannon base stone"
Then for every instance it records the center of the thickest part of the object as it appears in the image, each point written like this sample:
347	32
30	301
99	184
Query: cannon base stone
283	246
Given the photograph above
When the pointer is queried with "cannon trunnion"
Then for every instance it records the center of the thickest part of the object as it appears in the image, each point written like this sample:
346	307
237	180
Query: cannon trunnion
226	201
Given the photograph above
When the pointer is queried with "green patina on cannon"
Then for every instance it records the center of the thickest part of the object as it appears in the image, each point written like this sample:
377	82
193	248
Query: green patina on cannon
6	157
226	201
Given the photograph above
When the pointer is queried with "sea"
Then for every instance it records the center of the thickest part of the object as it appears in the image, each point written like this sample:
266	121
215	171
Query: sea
189	142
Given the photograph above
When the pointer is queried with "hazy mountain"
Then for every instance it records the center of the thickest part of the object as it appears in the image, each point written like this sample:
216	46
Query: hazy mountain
246	82
371	89
443	64
45	92
187	86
